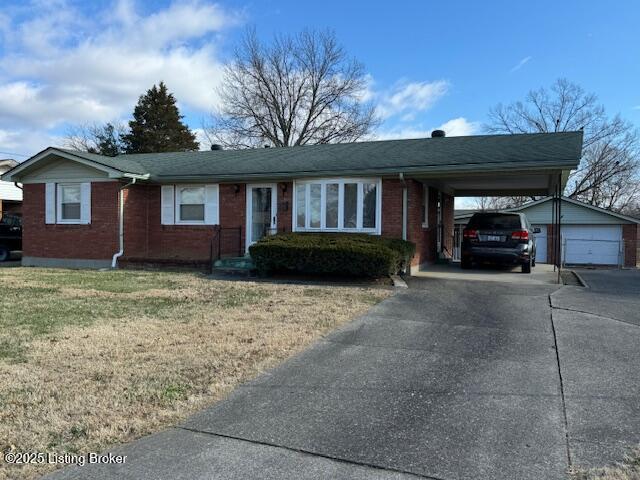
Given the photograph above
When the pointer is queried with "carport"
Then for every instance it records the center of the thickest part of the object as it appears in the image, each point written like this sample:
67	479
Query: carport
540	178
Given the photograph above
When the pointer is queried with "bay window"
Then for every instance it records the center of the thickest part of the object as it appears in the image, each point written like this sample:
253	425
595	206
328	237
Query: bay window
337	205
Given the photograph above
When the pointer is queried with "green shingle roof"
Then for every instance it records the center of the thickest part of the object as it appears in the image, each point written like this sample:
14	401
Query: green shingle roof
488	152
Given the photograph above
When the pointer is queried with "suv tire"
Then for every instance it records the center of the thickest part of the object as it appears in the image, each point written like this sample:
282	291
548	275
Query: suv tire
526	267
4	254
465	263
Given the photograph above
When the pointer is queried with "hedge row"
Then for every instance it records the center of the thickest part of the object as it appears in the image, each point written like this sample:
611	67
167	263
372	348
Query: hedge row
332	253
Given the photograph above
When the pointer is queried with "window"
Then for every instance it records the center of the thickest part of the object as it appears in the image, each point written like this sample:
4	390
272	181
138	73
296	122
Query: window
350	205
315	196
333	199
68	203
337	205
369	200
191	201
425	207
189	205
301	213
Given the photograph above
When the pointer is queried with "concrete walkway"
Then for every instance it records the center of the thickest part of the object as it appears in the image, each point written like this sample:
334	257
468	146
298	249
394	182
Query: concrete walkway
445	380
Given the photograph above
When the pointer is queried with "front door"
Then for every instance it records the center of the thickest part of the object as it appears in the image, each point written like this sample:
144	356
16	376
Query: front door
262	210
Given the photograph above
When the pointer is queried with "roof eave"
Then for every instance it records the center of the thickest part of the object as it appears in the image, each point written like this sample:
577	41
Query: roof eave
13	175
385	171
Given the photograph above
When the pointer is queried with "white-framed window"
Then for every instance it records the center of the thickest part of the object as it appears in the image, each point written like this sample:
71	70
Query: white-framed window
337	204
68	203
189	204
425	207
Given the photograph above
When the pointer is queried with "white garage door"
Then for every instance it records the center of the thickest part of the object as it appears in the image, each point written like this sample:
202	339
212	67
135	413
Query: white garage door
541	244
592	244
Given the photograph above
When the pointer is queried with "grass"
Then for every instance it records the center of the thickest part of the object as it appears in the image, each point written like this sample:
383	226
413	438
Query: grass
91	359
629	469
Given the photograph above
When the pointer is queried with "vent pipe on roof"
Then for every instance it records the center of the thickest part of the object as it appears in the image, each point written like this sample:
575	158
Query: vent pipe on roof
215	146
438	134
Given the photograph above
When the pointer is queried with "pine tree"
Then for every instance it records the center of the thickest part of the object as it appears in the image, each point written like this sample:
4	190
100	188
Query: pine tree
157	125
108	141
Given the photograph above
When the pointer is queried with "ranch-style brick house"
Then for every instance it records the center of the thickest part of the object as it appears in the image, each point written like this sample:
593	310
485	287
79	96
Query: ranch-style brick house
87	210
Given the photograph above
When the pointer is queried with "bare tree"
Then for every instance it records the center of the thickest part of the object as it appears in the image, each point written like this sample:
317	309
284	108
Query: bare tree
609	170
104	139
298	90
499	203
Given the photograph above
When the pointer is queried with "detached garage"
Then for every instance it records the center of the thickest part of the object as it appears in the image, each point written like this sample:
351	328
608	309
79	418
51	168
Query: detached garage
590	235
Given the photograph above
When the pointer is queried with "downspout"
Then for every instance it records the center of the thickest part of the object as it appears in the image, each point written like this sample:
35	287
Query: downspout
18	186
116	256
405	205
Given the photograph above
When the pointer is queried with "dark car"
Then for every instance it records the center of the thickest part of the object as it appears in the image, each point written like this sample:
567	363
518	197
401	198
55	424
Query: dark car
10	235
502	238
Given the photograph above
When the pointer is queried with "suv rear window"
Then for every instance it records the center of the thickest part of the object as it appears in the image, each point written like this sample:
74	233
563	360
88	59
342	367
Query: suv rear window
495	221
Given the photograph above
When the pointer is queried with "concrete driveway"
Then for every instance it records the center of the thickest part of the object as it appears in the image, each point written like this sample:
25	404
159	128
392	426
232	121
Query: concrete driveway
541	274
446	380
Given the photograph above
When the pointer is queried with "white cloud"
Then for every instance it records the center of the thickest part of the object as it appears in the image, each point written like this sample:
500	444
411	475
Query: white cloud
13	143
456	127
64	67
520	64
408	98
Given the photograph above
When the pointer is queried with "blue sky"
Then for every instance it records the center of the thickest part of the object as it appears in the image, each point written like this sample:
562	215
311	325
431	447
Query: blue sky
430	64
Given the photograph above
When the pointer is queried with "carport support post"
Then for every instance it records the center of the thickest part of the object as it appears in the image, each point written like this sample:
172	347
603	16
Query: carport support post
556	214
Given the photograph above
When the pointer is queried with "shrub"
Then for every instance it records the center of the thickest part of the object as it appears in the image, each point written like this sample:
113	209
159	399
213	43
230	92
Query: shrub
331	253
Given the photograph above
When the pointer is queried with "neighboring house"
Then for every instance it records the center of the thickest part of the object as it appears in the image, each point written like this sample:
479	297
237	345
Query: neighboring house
589	235
10	194
192	206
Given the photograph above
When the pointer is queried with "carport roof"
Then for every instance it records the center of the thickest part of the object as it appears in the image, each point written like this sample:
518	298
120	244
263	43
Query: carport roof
486	153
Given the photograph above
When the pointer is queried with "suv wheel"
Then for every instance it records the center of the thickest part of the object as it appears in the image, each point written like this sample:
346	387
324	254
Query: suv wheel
526	267
4	254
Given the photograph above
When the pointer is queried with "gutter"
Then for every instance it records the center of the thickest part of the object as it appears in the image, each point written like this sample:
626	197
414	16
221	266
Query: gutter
117	255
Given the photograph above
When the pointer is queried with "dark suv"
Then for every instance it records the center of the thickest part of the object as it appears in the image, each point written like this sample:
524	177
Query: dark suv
504	238
10	235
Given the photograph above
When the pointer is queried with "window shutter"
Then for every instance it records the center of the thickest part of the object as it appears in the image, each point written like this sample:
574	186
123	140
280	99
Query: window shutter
85	203
211	207
50	203
167	205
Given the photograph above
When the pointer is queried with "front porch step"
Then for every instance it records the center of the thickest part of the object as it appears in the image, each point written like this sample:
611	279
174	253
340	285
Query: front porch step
234	264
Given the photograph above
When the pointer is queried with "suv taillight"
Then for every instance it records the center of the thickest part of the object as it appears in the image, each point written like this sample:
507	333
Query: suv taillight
521	235
470	233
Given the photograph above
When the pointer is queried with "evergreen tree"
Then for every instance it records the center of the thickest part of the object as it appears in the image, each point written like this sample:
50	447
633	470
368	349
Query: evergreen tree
157	125
108	141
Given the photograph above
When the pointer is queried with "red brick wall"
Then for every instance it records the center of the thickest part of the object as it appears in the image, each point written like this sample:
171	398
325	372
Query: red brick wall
630	238
285	206
146	237
99	240
424	238
391	208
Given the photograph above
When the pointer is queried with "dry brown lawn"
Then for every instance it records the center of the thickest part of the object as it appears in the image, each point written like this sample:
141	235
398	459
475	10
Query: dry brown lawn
629	469
92	359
